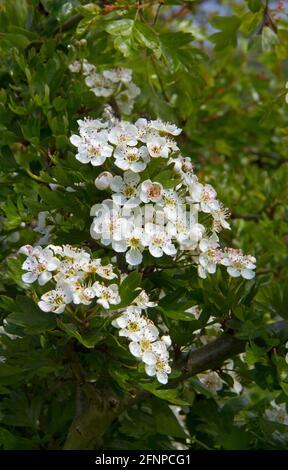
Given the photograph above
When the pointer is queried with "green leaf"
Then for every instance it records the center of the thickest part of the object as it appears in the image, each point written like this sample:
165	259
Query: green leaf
122	27
30	317
228	35
88	340
170	395
255	5
147	37
269	39
127	289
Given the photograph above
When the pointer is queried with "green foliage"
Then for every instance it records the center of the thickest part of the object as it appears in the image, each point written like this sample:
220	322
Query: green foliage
227	91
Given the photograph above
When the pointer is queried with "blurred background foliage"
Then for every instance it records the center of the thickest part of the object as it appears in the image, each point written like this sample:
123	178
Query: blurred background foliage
216	69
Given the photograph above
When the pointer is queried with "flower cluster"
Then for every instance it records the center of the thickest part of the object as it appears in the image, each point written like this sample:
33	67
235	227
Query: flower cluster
78	278
115	82
145	343
145	212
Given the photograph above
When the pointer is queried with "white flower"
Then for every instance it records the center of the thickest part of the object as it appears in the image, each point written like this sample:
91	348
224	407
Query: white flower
99	85
88	68
220	215
156	350
159	241
125	99
75	67
135	240
131	158
94	150
126	189
150	192
81	294
56	300
107	295
183	165
144	344
95	267
210	255
239	264
165	127
118	75
157	363
205	195
158	147
195	311
123	134
145	133
39	265
142	300
89	127
211	381
277	413
103	180
131	323
109	225
171	204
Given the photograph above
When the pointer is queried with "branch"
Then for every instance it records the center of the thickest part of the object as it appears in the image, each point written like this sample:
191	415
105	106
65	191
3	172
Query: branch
96	409
102	407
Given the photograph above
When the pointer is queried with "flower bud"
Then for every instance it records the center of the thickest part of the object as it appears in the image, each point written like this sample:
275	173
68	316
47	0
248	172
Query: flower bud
103	180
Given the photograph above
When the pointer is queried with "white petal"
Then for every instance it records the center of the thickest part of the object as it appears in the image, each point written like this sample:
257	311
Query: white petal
44	277
150	370
29	277
134	257
247	274
149	358
45	306
135	349
156	251
233	272
162	377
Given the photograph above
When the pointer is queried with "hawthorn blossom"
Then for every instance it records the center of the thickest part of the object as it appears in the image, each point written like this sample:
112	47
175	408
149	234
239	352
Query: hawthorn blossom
95	267
81	294
119	74
89	127
123	134
99	84
107	295
131	158
75	67
125	99
135	241
239	264
145	341
165	127
142	300
158	147
159	242
126	189
94	150
39	265
56	300
150	192
205	195
160	368
131	323
210	256
211	381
